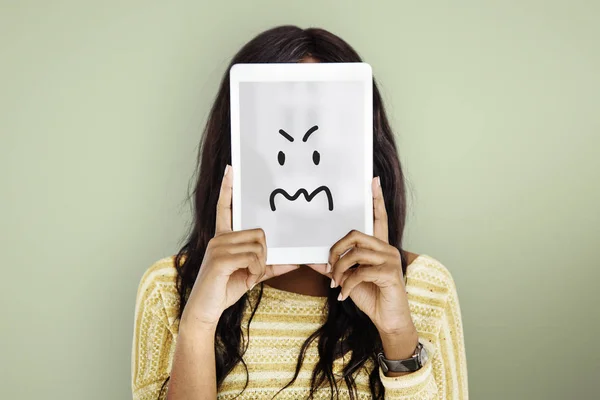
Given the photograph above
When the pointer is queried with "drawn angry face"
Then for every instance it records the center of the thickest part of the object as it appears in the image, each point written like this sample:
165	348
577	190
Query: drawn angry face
316	158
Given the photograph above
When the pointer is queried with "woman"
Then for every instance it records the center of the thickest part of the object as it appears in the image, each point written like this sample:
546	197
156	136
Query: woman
215	321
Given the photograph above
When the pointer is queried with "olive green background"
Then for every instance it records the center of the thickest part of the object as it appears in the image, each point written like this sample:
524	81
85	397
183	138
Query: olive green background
496	109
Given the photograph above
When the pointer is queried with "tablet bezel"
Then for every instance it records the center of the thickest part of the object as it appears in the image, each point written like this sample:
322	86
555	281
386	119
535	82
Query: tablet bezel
295	72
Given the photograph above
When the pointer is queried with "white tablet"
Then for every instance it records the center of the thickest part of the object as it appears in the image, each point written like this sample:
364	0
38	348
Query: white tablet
302	155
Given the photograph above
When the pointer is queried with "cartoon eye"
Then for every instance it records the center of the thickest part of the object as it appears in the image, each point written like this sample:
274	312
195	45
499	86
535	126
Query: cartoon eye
281	158
316	157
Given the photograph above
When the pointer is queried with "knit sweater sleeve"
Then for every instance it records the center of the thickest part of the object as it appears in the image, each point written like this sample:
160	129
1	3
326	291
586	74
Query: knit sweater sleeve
154	334
433	297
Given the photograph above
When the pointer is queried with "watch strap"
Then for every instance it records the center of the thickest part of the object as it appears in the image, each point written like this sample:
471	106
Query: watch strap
408	365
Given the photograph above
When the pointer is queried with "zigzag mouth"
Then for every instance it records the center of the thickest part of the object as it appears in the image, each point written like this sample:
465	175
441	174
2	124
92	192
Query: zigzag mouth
307	196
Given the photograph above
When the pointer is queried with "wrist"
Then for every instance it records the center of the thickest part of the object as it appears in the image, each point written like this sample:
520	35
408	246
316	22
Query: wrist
194	326
400	345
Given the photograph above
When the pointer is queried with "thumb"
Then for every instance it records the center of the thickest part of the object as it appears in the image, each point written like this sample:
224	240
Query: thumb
273	270
323	269
280	269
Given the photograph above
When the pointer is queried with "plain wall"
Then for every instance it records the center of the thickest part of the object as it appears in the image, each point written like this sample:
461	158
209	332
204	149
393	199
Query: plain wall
496	108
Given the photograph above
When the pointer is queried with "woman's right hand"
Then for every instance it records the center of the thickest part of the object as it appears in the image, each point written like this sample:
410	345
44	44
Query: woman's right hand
233	263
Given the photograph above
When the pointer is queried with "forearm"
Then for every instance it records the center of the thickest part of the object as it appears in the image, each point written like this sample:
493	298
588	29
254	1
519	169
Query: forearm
193	375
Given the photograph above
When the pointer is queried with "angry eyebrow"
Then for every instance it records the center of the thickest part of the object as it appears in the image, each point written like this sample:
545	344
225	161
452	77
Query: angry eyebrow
307	134
286	135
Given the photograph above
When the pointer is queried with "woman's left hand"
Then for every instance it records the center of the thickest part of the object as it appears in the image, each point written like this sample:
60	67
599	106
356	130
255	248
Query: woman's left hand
376	286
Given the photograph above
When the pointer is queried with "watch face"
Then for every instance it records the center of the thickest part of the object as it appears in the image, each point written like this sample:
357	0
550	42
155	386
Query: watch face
423	356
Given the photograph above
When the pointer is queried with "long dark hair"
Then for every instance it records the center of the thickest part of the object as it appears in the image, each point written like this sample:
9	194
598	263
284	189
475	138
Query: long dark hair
346	328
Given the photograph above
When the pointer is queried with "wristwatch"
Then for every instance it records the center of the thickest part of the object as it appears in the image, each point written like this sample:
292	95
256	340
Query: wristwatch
412	364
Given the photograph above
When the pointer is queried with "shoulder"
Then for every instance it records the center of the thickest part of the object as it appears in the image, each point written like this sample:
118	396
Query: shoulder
427	274
157	289
161	273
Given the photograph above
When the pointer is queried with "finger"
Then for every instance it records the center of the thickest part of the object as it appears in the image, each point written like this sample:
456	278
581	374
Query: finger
379	275
380	218
256	270
230	263
276	270
358	255
350	272
323	269
355	239
245	247
223	220
247	235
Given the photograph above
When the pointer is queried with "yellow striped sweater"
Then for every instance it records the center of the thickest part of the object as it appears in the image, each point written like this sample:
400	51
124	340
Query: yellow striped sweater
282	323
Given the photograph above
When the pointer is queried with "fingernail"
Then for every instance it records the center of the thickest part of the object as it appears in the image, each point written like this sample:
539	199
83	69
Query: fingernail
226	170
252	287
379	181
328	267
333	283
340	296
